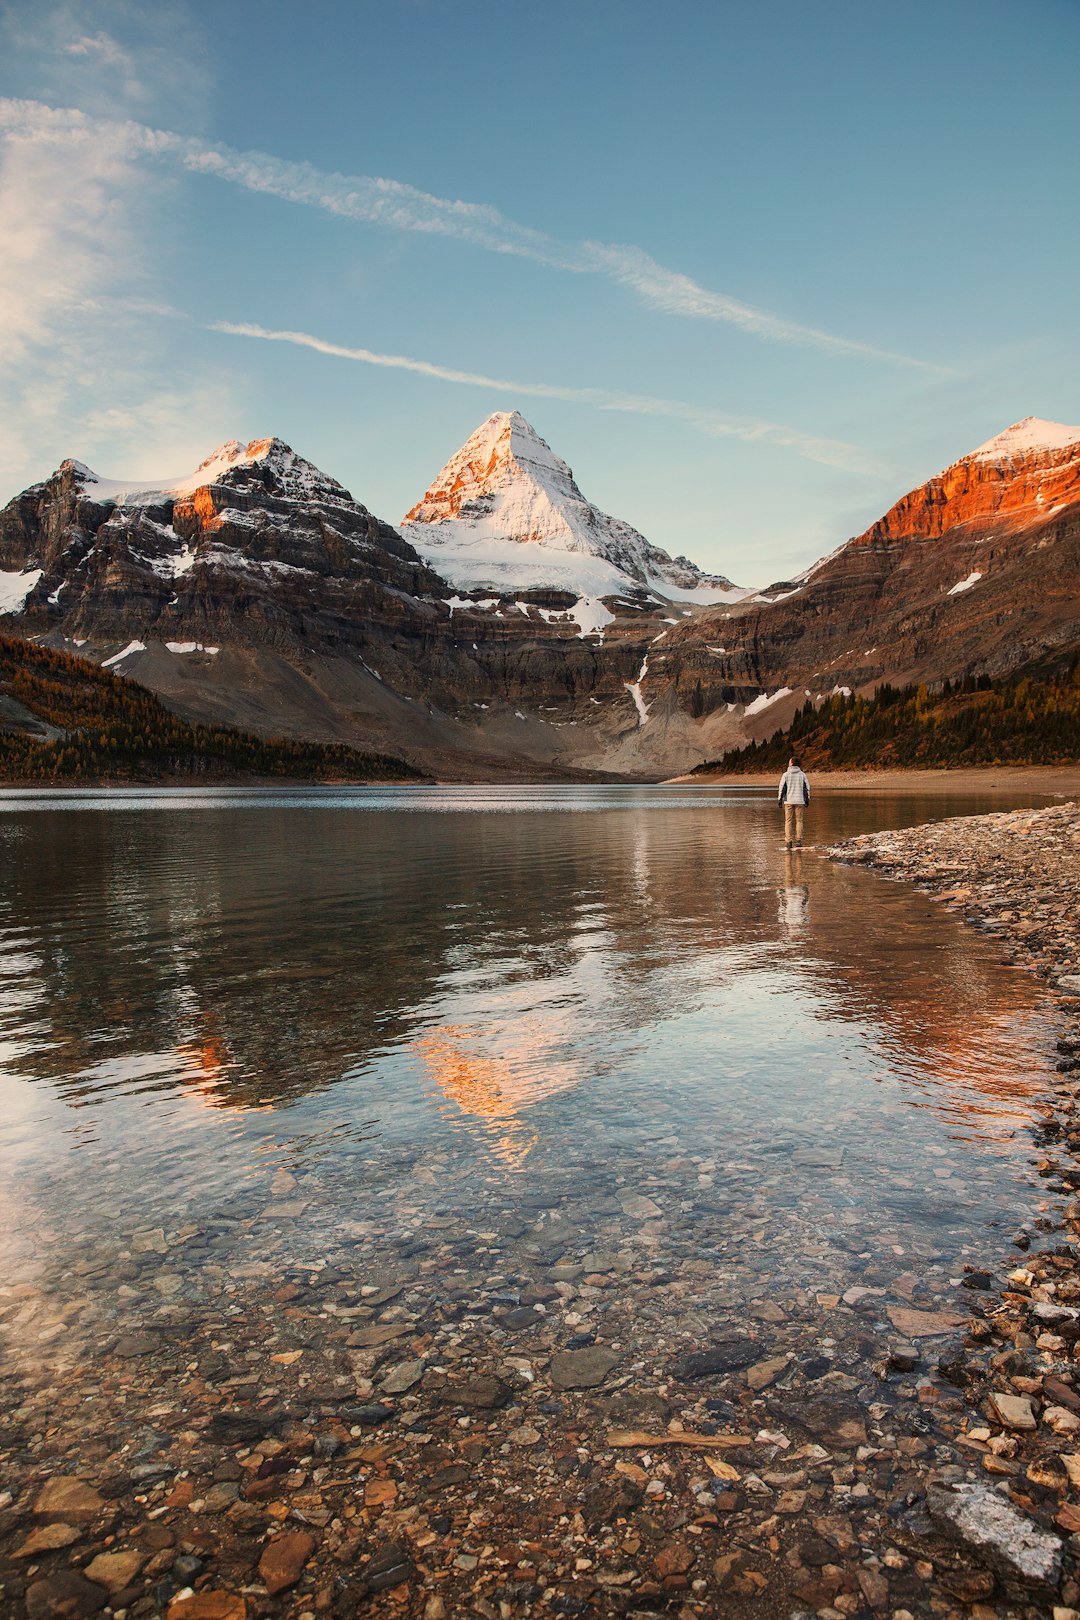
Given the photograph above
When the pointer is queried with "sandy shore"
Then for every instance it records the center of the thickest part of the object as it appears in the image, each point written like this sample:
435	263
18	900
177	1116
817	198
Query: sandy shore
1039	779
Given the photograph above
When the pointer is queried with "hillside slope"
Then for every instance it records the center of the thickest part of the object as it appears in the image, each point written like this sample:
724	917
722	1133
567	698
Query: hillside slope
976	571
62	718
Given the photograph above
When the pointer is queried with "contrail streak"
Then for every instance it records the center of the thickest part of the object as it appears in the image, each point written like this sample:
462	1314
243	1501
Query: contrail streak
829	452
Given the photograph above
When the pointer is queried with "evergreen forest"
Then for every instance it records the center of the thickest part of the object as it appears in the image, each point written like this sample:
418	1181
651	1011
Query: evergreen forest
1032	719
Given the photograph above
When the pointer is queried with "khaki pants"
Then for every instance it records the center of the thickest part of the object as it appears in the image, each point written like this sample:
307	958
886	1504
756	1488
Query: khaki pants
793	823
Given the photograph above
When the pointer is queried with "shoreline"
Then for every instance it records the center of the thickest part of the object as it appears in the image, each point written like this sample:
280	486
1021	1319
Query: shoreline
1050	779
1015	876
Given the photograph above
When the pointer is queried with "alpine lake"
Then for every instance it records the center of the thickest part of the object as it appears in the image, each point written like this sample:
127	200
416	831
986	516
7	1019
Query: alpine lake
369	1158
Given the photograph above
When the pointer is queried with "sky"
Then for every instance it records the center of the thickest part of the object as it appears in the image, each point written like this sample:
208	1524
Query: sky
754	272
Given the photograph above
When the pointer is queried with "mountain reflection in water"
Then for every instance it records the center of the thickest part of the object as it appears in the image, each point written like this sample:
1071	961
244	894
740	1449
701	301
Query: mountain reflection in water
203	990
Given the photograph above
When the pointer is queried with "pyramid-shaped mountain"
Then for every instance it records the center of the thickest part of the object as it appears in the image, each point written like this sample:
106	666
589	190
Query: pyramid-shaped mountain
506	514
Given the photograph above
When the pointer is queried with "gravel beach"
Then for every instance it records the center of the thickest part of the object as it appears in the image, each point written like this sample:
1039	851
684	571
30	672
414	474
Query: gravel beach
1016	876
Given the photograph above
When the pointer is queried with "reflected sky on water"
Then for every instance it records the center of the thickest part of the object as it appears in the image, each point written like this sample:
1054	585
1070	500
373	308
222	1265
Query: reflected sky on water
198	987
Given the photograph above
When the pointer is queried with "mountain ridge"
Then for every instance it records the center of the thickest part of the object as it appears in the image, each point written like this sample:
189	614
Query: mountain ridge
257	591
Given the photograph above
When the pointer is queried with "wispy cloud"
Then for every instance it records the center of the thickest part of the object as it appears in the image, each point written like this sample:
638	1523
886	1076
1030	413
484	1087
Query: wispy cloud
717	425
395	205
82	352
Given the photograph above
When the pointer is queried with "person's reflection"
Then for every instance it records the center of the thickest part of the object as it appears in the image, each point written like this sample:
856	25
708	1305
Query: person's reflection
795	895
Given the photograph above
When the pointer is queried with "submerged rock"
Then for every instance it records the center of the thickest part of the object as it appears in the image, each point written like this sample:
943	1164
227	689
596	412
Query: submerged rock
1004	1538
582	1369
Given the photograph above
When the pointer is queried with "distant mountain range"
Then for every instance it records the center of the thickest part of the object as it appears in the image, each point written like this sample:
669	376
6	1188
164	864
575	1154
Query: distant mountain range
508	625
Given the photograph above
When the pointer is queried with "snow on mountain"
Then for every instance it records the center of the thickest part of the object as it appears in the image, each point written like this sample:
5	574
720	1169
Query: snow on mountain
1032	435
15	586
296	478
506	514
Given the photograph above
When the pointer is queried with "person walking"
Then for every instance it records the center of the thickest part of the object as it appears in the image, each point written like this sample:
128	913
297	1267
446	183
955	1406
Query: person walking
794	795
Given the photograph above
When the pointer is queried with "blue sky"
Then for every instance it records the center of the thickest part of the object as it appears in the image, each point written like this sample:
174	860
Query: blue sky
754	272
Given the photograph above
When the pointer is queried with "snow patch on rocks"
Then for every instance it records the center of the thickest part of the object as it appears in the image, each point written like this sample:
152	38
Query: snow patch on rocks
1033	434
15	587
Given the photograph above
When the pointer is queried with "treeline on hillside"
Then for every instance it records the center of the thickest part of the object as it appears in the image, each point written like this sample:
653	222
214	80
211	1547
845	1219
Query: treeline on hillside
112	727
1025	721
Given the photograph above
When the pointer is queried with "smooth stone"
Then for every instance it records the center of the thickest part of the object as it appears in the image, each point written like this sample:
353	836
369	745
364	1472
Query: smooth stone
283	1559
69	1499
403	1377
519	1319
725	1356
483	1394
582	1369
382	1333
601	1260
208	1606
67	1595
818	1158
639	1208
1014	1411
116	1570
831	1420
136	1344
391	1566
150	1242
47	1538
221	1496
369	1416
382	1296
915	1324
764	1373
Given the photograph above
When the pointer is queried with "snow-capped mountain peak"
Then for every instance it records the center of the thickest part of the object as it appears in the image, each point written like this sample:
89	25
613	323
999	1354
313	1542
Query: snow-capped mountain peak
506	513
1031	436
506	464
270	459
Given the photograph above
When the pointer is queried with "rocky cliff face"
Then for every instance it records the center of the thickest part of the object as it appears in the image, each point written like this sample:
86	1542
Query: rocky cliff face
1016	481
978	570
242	541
